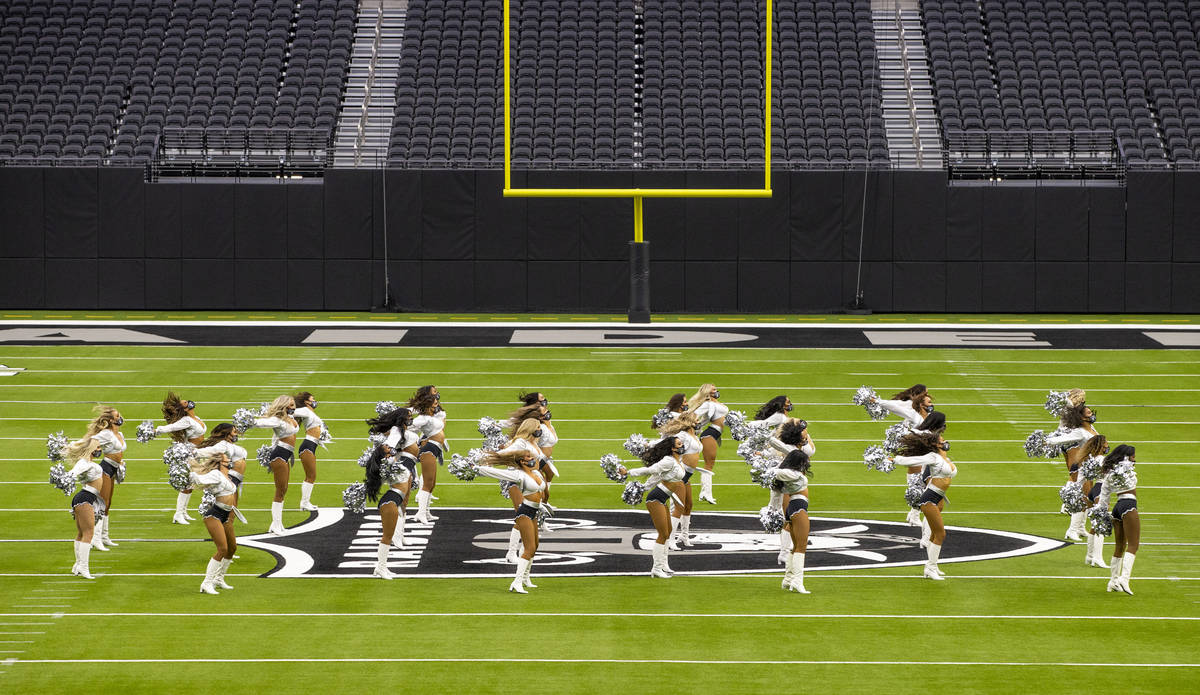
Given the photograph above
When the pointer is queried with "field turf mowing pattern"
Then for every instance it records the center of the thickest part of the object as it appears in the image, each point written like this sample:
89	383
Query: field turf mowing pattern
1041	622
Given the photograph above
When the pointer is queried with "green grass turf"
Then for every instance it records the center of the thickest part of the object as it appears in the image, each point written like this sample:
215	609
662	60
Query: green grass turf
485	639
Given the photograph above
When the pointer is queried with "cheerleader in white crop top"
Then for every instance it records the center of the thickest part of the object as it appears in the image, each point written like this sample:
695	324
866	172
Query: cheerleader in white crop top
313	426
791	436
710	421
85	504
428	421
926	451
789	492
401	444
774	412
279	418
664	473
912	405
381	470
519	467
210	471
1118	477
1079	425
683	428
105	431
223	440
184	426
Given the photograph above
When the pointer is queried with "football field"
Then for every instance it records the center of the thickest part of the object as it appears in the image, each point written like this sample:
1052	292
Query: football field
1037	620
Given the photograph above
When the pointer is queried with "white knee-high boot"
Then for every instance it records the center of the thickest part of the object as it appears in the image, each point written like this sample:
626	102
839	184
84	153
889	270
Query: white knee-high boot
398	534
381	568
1115	573
797	583
685	530
208	586
514	546
1075	531
785	546
1126	572
221	570
706	489
518	582
276	518
181	505
104	537
525	577
933	551
98	535
788	572
673	539
1095	551
306	490
913	517
925	532
82	553
659	552
666	565
423	516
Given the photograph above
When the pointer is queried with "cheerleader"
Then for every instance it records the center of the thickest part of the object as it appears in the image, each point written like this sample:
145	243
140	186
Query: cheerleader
710	421
936	424
791	436
683	428
1119	479
791	484
920	451
398	479
401	442
279	417
1094	557
547	438
523	437
312	425
676	405
105	433
665	473
86	502
519	467
210	472
184	426
912	405
774	412
223	440
429	421
1078	422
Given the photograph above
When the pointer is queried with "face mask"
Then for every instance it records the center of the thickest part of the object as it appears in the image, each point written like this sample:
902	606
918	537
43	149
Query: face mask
929	407
945	446
119	421
291	411
1091	419
314	404
685	407
189	405
537	433
544	402
803	424
678	450
546	416
716	393
234	437
787	408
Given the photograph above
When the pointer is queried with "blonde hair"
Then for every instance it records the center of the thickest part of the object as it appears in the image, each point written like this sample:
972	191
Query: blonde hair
80	448
701	395
1076	397
104	416
526	429
512	459
676	425
279	406
520	415
205	463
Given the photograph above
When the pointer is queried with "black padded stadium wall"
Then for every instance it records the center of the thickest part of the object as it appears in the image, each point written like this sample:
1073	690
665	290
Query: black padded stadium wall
84	238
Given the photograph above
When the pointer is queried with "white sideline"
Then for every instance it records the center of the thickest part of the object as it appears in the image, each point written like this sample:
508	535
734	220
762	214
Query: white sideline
509	660
514	614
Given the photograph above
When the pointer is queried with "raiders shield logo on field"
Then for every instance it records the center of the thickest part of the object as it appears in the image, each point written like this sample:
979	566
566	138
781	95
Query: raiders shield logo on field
471	542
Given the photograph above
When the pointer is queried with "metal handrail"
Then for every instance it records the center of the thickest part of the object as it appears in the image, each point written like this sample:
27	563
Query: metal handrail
908	90
370	87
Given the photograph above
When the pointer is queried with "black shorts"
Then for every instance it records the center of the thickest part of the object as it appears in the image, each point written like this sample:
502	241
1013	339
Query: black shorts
215	512
932	496
109	468
235	479
432	448
84	497
408	463
307	445
1094	493
1123	506
688	476
658	494
713	432
527	510
797	504
282	452
392	496
1073	468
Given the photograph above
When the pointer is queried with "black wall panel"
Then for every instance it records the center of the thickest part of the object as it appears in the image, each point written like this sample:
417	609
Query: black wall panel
349	212
447	285
306	284
499	222
763	286
260	221
404	223
1149	198
919	287
815	286
711	285
964	286
305	221
406	284
665	219
164	220
875	228
876	283
261	284
605	285
501	285
448	215
22	283
763	222
1009	287
712	223
164	283
1106	223
816	219
1185	287
1106	286
555	284
553	223
122	283
919	226
667	285
605	224
348	284
1186	225
1008	222
72	283
1062	287
122	216
208	221
1147	286
22	216
209	282
72	213
1062	223
964	223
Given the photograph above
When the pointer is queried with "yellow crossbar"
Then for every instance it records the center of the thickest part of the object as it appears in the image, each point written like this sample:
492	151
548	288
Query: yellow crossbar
637	193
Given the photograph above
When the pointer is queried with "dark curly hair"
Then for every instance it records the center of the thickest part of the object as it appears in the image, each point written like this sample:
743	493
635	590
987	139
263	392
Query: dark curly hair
659	451
777	404
423	399
918	443
220	433
792	433
400	418
797	461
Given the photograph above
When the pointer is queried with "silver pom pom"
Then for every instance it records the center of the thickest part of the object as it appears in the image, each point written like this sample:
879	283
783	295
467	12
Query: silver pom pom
178	453
891	437
62	479
355	498
735	420
376	439
384	407
748	451
495	442
56	444
636	444
207	502
326	437
1102	520
771	518
179	475
633	493
1089	468
365	456
120	478
757	436
1057	403
1073	498
490	427
663	416
611	465
543	514
865	396
1123	476
146	431
243	419
505	486
462	467
767	477
759	468
264	455
876	458
1035	444
915	490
